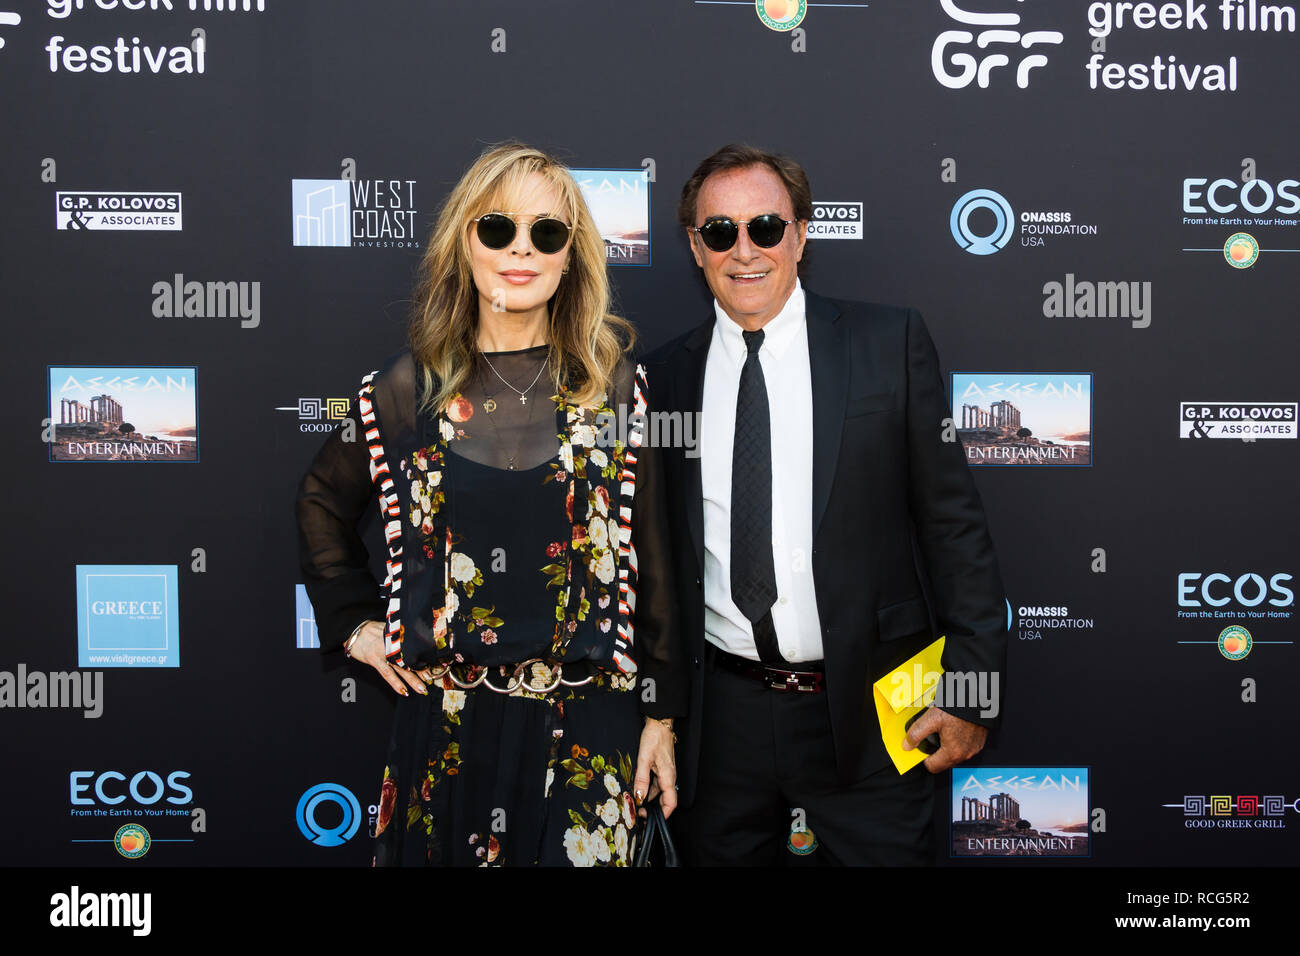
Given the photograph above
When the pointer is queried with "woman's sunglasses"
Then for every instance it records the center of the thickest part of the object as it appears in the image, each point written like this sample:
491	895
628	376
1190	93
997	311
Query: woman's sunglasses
496	230
720	232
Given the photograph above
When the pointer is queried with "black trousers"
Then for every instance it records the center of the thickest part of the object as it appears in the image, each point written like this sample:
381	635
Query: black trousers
767	763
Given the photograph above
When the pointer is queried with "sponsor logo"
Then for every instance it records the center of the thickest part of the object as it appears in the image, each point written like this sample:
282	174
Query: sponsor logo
1234	642
8	19
995	223
1029	622
344	802
1023	812
138	413
1024	420
118	210
836	220
132	841
953	55
318	414
308	636
1240	250
1248	590
1241	420
802	841
371	213
127	615
1235	811
781	15
619	200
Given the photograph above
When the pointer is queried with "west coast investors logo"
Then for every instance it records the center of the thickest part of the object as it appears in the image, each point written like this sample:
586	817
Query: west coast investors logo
307	636
982	222
1242	811
127	616
316	414
369	213
836	220
619	200
1002	50
1020	812
1016	419
134	413
118	210
1245	421
1230	214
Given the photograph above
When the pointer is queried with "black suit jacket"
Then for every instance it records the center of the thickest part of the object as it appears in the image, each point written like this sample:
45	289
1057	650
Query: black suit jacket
901	549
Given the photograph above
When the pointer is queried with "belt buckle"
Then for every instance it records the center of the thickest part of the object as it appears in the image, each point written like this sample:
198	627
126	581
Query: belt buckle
793	680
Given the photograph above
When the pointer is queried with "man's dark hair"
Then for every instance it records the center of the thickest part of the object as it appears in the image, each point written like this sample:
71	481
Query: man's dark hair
739	156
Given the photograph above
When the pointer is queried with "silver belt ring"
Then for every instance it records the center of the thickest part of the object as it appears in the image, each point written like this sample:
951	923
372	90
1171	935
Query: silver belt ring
539	690
470	685
577	683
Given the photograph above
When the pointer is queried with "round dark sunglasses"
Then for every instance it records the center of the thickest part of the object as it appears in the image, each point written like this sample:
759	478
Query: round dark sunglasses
496	230
721	232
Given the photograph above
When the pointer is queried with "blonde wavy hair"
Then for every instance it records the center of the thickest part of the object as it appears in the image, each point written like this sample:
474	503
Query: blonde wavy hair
587	340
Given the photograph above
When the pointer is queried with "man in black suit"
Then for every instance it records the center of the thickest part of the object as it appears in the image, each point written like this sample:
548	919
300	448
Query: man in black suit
822	507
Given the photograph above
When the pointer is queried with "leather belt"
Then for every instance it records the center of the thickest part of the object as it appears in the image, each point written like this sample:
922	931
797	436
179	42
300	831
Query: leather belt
806	676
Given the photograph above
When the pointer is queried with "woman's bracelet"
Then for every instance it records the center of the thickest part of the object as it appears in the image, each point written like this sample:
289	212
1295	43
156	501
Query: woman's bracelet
352	639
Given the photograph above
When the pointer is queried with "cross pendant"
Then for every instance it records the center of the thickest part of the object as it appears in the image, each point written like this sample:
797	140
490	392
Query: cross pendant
523	399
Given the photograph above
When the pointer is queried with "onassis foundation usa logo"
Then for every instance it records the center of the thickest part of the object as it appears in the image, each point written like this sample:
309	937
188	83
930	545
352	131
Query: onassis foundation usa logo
1020	812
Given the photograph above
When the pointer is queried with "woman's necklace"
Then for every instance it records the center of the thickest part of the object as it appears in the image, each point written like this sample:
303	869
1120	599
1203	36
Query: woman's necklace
523	396
510	459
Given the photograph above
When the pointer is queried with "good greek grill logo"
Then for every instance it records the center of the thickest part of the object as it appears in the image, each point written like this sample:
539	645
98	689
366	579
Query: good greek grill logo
836	220
138	211
1240	420
1226	811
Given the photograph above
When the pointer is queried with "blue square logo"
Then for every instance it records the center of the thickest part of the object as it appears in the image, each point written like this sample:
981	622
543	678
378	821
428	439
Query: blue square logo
308	636
322	212
127	616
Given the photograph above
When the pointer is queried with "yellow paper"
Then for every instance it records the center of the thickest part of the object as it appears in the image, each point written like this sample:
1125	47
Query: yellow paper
904	691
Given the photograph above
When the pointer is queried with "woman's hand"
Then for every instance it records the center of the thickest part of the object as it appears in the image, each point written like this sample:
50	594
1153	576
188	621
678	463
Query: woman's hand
656	756
369	649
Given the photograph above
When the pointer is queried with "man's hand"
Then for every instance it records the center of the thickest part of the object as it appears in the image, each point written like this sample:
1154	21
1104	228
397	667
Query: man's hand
959	739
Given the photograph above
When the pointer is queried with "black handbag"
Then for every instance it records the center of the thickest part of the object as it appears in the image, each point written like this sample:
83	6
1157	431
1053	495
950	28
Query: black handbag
654	844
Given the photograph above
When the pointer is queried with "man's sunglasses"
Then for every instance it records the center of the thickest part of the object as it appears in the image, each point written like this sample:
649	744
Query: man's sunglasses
496	230
720	232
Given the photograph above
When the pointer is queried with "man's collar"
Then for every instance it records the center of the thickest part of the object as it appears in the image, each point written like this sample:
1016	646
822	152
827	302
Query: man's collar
778	333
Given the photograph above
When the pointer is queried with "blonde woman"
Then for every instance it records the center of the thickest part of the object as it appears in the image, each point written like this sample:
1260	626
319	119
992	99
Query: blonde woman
524	617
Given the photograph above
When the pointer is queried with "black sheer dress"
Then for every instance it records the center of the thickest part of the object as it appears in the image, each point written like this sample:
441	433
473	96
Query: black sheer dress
528	567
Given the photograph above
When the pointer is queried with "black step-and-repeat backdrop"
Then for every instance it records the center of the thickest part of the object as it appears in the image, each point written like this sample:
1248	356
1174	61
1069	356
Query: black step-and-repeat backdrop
212	214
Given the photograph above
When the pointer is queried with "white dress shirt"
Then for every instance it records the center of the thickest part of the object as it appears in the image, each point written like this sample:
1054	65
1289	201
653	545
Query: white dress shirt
788	378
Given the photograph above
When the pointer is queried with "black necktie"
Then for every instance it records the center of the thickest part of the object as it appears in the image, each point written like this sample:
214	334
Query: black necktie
753	577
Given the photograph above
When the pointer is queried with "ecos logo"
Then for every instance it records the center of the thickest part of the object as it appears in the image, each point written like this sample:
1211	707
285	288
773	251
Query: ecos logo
91	787
1254	196
345	803
1248	590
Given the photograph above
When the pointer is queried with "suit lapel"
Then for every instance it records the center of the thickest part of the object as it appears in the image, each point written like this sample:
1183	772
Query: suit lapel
828	358
689	398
